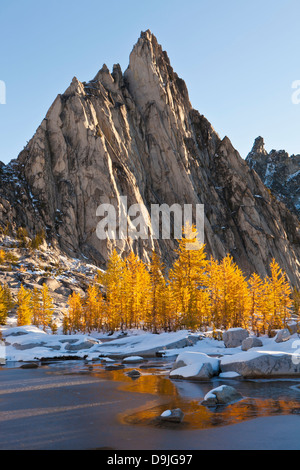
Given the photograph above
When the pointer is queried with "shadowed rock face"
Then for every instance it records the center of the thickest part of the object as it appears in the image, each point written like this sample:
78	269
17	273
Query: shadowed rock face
137	135
279	172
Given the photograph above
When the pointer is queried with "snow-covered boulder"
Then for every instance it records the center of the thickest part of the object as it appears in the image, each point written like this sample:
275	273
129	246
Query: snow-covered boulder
195	365
222	395
234	337
190	357
252	364
172	416
251	342
229	375
133	360
200	371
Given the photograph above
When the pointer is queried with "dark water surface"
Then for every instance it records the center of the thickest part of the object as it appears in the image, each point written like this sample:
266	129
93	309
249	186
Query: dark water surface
74	405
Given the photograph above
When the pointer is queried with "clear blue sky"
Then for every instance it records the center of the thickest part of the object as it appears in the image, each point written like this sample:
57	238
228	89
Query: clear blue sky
238	58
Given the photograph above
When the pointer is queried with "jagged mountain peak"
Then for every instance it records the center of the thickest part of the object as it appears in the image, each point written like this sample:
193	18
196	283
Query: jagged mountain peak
279	172
150	76
259	147
137	135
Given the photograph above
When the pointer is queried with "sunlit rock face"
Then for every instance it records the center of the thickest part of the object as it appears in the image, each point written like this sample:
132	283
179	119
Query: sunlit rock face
136	134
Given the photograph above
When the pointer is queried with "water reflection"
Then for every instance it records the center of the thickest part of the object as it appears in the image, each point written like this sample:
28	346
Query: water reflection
201	417
261	398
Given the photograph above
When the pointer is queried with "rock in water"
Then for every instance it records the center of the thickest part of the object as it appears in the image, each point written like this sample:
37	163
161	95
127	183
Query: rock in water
133	373
194	366
255	364
137	135
30	365
202	371
172	416
222	395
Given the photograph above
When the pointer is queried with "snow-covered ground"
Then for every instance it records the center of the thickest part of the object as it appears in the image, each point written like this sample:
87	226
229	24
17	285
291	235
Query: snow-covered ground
32	344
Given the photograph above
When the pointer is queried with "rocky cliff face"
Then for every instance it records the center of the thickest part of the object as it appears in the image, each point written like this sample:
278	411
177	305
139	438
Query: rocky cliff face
279	172
137	135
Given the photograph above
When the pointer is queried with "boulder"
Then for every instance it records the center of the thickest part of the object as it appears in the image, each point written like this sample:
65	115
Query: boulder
222	395
30	365
52	284
200	371
63	290
115	367
133	374
189	358
283	335
254	364
172	416
293	328
234	337
251	342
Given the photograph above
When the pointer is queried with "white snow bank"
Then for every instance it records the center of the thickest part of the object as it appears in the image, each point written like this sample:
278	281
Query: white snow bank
148	344
229	375
30	343
133	359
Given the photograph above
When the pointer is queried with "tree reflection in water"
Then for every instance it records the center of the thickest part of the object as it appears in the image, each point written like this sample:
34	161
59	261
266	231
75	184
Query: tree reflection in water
167	396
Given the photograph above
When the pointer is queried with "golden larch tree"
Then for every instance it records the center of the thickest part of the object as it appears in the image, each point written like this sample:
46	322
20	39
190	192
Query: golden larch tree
24	311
